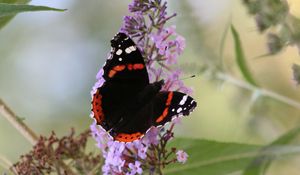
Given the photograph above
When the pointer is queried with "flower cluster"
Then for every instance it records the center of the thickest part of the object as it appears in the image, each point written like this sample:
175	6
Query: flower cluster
161	47
50	155
275	13
148	154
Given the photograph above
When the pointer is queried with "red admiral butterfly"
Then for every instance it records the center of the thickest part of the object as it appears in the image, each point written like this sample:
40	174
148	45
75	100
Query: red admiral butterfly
127	105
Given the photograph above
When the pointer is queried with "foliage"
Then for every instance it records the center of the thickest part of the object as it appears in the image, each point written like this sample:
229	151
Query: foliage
159	152
10	8
240	57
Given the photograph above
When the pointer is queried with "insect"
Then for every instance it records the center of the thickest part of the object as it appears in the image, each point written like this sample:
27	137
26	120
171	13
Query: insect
127	105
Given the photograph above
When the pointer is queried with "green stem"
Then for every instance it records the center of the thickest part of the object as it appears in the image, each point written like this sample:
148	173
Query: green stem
4	162
262	91
23	129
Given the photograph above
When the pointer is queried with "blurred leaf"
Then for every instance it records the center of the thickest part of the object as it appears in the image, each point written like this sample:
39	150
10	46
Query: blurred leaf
223	39
261	163
5	20
9	10
211	157
12	9
240	57
15	1
222	45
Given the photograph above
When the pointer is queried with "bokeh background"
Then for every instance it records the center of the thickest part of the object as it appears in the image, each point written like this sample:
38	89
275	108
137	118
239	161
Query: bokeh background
48	63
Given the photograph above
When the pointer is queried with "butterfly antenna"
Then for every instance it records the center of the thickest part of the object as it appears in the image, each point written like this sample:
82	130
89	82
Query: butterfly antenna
192	76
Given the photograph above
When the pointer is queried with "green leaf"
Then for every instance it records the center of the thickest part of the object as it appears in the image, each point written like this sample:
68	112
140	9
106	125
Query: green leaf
240	57
15	1
223	39
12	9
5	20
261	163
211	157
9	8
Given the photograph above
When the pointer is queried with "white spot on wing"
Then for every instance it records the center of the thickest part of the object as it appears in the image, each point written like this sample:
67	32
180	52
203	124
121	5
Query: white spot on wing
120	59
183	100
132	48
173	110
119	52
127	50
179	110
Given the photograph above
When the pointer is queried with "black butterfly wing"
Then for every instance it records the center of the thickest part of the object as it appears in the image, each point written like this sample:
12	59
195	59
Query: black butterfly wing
125	63
125	75
160	110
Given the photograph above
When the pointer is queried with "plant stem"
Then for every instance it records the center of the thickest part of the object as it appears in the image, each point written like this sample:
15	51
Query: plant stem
5	162
262	91
17	123
95	169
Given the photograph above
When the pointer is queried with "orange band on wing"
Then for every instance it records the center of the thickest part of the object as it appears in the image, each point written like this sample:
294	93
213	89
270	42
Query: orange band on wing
129	66
123	137
166	111
170	96
115	69
112	73
97	107
163	115
137	66
120	68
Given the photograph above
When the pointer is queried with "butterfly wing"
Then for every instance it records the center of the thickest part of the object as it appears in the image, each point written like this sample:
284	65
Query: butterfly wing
125	75
125	62
164	107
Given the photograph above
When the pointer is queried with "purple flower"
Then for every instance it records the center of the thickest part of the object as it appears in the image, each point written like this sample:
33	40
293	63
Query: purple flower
181	156
168	47
135	168
142	151
180	44
177	120
99	82
141	5
113	157
152	136
161	46
135	26
100	136
100	74
106	169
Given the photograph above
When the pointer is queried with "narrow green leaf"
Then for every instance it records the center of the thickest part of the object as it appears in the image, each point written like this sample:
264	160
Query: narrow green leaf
6	19
223	39
211	157
240	57
13	9
15	1
261	163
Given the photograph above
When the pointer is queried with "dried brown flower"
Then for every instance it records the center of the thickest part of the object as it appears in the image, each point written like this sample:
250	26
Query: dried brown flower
66	155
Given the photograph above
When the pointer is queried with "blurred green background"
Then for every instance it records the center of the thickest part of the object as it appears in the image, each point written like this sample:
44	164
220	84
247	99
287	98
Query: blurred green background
49	60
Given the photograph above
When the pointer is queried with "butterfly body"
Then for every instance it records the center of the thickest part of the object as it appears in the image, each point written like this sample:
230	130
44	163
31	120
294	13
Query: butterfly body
127	105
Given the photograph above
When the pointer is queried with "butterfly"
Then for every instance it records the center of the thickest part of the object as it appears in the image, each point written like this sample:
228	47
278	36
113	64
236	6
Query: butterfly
127	104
